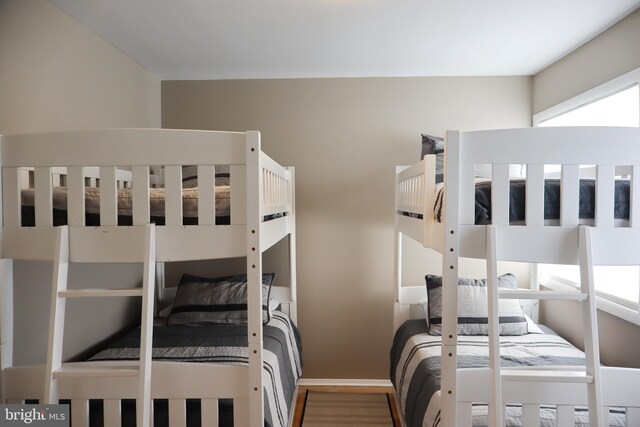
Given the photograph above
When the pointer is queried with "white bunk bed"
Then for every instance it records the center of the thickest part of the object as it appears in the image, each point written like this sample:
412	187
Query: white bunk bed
535	240
261	213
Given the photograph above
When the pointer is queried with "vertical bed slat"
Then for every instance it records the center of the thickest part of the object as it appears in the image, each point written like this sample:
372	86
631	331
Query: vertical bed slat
80	412
238	181
535	195
11	197
565	415
178	413
206	195
241	412
108	196
500	194
467	194
633	417
531	412
112	415
209	412
464	413
634	191
173	195
43	198
140	193
569	195
605	175
75	196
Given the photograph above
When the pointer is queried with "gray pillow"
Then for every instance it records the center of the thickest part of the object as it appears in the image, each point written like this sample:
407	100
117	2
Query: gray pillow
473	307
219	300
434	145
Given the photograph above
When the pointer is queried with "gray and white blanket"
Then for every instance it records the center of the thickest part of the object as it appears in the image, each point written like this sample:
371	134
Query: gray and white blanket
416	371
227	344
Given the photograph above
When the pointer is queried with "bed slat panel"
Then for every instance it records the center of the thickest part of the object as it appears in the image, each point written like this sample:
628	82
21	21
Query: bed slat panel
80	412
238	181
633	417
140	194
565	415
634	192
569	195
206	195
464	414
12	197
177	412
500	194
173	195
605	175
43	198
75	196
531	415
467	194
241	412
535	195
569	145
108	196
209	412
112	413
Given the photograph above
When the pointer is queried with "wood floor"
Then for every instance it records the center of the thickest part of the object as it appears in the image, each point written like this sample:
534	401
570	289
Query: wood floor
302	391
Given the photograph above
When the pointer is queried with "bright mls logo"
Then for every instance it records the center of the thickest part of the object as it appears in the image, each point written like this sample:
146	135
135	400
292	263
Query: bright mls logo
34	415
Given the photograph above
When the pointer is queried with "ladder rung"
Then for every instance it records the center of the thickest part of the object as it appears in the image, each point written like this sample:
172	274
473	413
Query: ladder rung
87	293
77	370
535	375
549	295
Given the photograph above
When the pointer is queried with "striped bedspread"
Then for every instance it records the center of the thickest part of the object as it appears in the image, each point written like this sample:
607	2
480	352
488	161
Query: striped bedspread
227	344
415	371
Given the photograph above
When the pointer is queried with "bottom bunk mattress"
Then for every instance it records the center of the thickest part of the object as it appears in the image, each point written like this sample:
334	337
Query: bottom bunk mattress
226	344
416	373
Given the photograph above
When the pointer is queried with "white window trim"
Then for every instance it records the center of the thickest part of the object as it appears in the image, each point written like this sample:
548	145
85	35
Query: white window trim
619	310
606	89
609	88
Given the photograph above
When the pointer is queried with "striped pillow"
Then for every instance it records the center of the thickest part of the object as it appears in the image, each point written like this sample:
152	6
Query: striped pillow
216	301
473	307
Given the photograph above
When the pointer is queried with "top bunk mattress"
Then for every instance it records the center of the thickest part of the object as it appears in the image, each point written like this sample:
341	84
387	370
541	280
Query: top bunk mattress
156	205
517	197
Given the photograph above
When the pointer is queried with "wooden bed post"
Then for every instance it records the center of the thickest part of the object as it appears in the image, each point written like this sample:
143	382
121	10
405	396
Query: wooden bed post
450	281
254	278
293	272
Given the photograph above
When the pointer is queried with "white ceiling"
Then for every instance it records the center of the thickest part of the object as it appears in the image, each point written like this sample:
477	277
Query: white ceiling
228	39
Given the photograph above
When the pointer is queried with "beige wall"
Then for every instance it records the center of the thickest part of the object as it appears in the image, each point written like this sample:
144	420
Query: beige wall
611	54
57	75
345	137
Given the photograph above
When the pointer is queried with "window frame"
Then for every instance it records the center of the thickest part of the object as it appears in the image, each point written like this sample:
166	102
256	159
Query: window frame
599	92
604	301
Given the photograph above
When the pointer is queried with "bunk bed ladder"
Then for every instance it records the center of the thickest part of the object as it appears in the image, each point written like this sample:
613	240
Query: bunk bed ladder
589	376
141	370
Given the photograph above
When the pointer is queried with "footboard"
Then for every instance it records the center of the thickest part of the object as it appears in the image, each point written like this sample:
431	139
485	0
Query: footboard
204	386
620	391
106	176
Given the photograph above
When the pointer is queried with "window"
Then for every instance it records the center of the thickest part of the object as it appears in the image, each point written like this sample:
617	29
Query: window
616	103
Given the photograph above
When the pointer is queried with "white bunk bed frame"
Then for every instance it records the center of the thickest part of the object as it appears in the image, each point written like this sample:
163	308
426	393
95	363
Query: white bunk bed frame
535	242
260	187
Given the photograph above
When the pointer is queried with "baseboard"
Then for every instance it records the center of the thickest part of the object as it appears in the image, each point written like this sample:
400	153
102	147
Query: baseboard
341	382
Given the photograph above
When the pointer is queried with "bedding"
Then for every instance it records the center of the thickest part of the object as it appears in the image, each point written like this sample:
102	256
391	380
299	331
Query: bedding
517	199
473	307
415	371
156	202
227	344
218	300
